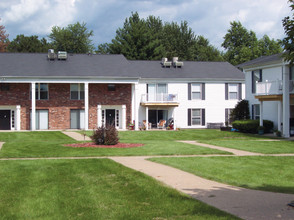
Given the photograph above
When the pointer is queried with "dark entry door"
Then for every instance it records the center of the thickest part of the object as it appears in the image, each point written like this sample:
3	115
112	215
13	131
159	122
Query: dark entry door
4	119
110	116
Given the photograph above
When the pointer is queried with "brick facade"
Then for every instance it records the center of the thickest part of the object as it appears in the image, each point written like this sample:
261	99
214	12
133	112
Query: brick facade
59	103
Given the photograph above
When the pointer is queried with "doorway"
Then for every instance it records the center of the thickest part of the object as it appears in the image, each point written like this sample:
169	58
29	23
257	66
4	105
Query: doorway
110	117
77	119
154	116
4	119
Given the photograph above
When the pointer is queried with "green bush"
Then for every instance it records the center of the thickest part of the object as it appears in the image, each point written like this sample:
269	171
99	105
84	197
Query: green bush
105	135
251	126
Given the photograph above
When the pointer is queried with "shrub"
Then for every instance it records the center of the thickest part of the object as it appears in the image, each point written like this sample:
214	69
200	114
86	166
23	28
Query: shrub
251	126
241	111
105	135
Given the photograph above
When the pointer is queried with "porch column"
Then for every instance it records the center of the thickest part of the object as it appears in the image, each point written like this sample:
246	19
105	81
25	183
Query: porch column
86	106
280	115
136	110
174	117
123	118
99	116
33	116
261	114
18	117
286	103
147	116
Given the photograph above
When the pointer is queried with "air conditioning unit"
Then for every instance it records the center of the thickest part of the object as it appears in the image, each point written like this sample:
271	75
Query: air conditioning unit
177	63
165	63
51	54
62	55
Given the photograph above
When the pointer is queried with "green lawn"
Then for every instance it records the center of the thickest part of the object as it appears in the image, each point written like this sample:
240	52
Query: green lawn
51	144
91	189
265	147
274	174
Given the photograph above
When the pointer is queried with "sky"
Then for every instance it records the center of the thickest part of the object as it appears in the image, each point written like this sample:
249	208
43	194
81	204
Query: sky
210	18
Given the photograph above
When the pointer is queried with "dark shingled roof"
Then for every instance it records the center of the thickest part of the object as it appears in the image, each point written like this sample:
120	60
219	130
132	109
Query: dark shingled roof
262	60
103	66
191	69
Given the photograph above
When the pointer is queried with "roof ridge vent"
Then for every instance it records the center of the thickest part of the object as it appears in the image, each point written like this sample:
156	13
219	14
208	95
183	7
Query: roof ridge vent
165	62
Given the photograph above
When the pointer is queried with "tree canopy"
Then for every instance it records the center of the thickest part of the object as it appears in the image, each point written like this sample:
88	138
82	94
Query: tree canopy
30	44
74	38
242	45
3	39
151	39
288	42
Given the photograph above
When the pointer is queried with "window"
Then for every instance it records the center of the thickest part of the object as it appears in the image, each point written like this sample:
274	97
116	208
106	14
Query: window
111	87
256	76
196	91
256	111
233	91
196	117
41	91
228	112
77	91
156	92
292	73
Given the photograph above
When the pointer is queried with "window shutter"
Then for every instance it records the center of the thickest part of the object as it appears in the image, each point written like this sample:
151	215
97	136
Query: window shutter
240	90
226	91
189	117
226	115
203	91
260	75
203	116
189	91
252	82
252	110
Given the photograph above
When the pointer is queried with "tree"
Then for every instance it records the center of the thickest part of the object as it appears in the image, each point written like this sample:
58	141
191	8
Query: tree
74	38
4	42
241	111
288	42
150	39
242	45
30	44
138	39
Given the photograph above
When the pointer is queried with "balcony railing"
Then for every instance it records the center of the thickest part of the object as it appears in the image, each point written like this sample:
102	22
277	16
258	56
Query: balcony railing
272	87
159	97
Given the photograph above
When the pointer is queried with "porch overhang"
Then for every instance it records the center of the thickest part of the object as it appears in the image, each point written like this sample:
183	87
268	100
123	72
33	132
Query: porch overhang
278	97
159	104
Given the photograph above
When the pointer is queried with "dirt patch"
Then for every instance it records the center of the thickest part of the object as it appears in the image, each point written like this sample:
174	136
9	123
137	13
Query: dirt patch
119	145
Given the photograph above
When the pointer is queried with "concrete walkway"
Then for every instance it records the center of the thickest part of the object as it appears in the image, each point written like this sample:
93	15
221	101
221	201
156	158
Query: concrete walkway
244	203
77	136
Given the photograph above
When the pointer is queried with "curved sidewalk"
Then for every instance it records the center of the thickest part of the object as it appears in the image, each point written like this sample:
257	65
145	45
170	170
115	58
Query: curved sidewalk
244	203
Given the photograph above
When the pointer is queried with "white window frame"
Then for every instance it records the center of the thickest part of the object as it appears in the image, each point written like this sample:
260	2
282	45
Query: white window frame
197	91
256	114
80	90
232	91
38	91
196	117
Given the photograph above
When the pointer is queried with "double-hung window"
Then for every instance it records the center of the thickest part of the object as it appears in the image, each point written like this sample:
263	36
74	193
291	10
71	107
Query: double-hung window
196	117
196	91
233	91
41	91
77	91
255	111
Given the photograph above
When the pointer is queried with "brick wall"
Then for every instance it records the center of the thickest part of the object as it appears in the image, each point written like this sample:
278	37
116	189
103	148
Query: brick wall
59	103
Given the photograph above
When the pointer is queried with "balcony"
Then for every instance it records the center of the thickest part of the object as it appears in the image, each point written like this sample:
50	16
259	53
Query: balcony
272	90
272	87
159	99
